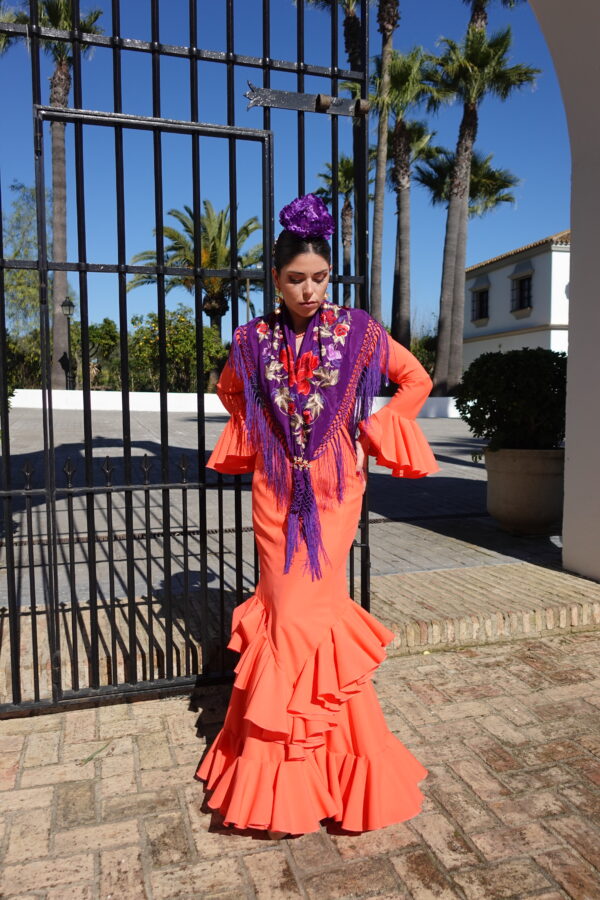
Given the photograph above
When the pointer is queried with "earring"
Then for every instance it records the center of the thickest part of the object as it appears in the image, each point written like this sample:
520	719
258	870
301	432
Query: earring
278	302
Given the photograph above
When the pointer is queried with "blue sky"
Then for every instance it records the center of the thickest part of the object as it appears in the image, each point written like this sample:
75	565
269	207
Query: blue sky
527	135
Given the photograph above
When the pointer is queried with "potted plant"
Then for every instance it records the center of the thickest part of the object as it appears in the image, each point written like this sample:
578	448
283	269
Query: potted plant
516	402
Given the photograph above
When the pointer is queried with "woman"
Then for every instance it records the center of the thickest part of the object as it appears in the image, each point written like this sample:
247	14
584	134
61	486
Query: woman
304	738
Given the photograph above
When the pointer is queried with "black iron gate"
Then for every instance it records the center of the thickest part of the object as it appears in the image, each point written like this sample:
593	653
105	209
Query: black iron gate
119	570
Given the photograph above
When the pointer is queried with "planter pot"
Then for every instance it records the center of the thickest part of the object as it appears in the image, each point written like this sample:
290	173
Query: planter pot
525	489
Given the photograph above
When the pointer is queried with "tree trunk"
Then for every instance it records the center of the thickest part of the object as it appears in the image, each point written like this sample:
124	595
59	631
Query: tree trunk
479	15
352	39
401	289
458	200
352	45
455	363
361	221
60	86
347	223
216	321
380	176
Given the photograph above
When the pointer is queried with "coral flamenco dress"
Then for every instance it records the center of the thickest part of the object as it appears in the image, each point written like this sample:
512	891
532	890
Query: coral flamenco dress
304	737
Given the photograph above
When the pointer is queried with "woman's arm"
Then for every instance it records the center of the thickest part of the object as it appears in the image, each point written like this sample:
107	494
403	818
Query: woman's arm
392	435
232	454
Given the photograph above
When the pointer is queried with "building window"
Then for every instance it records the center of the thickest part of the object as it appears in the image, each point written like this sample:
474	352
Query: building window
520	293
480	305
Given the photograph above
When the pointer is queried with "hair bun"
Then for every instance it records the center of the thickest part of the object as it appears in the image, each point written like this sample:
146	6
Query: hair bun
307	216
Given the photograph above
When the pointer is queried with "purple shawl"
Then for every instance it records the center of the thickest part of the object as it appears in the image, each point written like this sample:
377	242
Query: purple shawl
296	407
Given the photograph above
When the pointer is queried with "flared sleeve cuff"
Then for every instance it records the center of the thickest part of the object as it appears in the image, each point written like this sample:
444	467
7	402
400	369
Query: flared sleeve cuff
398	443
232	454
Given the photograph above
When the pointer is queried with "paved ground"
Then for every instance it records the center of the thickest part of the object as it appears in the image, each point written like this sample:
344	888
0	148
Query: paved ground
435	563
456	493
101	803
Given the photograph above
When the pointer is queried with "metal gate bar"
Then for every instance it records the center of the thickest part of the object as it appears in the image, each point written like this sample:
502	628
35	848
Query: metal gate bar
83	633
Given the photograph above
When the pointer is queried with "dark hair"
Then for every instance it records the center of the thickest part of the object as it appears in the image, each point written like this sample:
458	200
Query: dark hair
288	245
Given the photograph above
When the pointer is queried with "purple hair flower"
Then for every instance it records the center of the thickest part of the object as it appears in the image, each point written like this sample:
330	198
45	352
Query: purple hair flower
307	217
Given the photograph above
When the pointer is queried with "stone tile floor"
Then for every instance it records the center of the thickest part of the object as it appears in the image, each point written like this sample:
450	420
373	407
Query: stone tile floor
101	803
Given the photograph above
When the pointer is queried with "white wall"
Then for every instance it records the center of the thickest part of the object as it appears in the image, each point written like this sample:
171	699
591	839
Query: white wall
541	338
573	33
561	265
149	401
501	318
559	340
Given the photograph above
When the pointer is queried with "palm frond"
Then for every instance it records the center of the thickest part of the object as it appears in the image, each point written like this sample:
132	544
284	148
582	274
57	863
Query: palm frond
488	186
476	66
10	16
214	251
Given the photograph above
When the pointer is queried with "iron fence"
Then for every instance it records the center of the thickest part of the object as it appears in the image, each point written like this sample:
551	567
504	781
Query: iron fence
120	570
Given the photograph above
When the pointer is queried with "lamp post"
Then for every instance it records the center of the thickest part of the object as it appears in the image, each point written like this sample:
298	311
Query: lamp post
68	308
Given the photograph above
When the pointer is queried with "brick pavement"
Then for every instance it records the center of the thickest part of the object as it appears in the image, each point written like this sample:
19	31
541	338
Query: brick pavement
100	803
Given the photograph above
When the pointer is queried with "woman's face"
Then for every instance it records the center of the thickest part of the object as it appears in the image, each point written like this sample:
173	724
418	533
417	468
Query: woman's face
303	283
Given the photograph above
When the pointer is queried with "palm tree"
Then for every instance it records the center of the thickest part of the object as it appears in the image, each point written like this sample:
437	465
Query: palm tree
388	16
352	45
6	15
58	14
479	14
215	253
479	21
409	141
406	141
352	28
345	186
470	71
489	187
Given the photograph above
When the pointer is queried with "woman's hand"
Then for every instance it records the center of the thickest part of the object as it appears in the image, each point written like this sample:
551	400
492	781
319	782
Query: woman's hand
360	457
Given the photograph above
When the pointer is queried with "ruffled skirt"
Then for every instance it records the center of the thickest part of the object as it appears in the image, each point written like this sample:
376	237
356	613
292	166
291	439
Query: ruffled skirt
304	737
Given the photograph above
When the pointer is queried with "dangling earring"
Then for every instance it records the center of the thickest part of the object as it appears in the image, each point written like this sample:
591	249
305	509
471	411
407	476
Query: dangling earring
278	303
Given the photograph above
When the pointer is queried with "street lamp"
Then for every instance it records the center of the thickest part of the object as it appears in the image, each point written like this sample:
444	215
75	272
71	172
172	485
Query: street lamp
68	307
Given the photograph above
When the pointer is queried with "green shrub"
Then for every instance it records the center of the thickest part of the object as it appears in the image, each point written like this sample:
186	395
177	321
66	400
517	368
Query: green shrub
515	400
423	346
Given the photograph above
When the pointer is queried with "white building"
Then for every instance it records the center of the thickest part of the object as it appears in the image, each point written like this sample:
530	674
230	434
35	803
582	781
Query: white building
519	299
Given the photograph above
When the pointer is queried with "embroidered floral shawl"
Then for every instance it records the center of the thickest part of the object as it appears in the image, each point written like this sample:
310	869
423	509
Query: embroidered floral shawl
296	405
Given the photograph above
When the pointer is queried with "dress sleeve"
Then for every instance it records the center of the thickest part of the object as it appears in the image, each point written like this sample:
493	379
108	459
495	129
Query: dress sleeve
391	435
232	454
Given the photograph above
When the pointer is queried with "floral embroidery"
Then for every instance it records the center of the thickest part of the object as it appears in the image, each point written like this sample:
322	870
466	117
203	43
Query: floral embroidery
299	384
287	361
305	368
328	316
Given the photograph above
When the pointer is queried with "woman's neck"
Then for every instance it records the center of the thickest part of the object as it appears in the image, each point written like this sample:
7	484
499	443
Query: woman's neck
299	323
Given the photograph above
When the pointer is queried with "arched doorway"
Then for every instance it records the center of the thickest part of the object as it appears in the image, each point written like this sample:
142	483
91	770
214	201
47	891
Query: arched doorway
572	32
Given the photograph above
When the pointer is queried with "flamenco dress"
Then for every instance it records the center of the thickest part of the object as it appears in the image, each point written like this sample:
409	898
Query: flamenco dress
304	738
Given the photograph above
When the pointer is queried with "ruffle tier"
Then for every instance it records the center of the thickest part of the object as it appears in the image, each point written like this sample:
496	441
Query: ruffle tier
277	762
399	444
232	454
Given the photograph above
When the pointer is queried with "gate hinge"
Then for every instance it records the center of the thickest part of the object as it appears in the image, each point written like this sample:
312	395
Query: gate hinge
323	103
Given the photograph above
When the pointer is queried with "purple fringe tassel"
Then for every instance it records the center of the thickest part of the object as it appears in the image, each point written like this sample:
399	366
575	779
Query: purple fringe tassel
303	521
